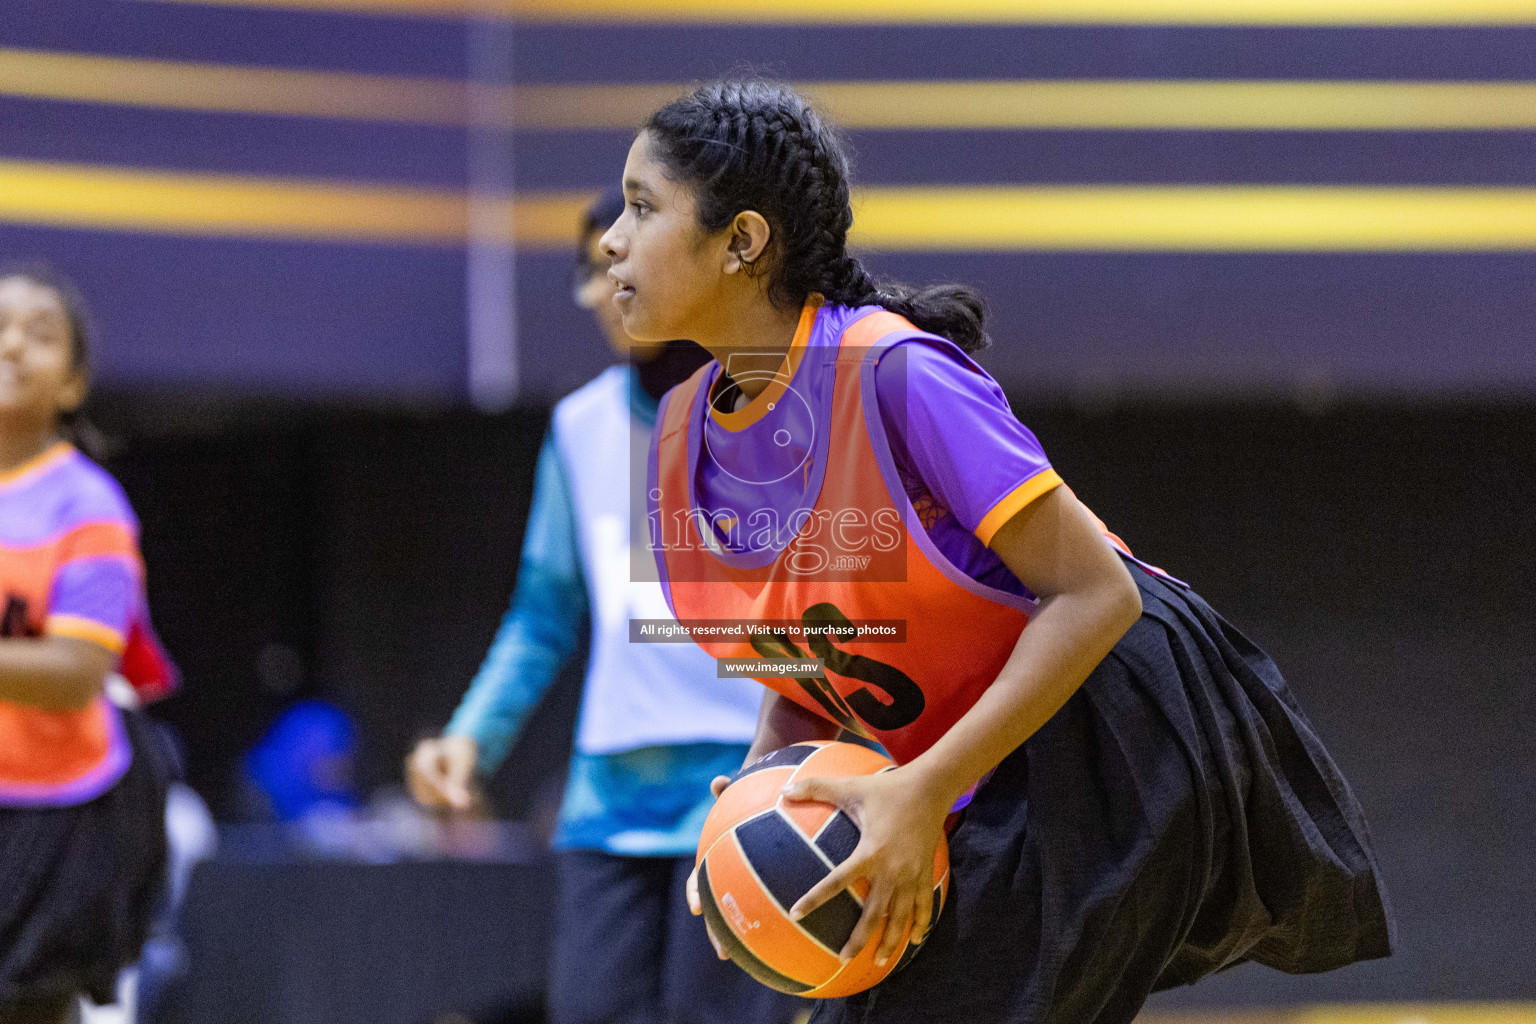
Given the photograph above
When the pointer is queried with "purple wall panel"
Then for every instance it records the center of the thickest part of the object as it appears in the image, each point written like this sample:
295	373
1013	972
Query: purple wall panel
260	318
568	159
642	53
1094	326
203	143
239	35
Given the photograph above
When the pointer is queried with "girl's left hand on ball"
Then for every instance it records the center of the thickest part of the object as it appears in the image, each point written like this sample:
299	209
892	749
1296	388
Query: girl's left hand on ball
716	787
900	825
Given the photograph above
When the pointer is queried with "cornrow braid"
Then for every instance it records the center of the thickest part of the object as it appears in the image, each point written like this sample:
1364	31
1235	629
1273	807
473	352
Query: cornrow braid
752	144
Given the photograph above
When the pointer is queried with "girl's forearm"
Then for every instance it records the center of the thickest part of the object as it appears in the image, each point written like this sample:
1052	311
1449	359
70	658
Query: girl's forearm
1064	641
53	673
782	722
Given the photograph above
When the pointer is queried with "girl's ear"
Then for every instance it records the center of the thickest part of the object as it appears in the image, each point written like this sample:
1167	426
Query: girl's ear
74	390
749	234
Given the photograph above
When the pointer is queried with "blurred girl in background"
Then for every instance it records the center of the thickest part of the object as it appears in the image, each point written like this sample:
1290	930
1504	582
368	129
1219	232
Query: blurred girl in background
656	725
82	783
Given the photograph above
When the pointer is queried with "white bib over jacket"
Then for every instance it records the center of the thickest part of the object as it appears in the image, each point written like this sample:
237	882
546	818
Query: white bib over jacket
636	694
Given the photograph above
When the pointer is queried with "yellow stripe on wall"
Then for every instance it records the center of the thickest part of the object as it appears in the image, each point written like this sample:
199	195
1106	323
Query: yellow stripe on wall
1168	218
115	199
1089	104
188	204
178	85
1016	12
1195	218
893	105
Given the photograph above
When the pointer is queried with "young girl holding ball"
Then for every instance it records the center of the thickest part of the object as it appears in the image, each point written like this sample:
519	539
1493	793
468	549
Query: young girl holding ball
1146	802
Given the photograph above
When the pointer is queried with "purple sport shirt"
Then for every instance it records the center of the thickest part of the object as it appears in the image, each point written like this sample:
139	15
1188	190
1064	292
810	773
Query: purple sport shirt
958	449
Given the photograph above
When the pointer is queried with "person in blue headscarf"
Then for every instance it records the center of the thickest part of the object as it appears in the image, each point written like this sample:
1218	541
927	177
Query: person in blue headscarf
304	762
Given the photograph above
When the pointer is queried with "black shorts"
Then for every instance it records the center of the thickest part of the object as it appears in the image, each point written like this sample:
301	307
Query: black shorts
627	951
81	882
1178	815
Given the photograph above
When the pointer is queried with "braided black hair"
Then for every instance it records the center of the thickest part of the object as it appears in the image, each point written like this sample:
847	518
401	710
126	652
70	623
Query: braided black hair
752	144
73	424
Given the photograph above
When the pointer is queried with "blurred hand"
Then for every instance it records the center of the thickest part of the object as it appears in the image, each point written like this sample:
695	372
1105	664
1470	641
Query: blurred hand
441	772
716	786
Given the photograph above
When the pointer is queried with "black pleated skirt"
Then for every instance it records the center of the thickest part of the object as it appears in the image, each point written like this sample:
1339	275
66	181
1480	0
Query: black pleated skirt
1179	815
78	885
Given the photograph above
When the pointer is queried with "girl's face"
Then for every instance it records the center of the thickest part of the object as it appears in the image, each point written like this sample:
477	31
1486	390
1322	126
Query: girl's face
595	292
667	271
38	375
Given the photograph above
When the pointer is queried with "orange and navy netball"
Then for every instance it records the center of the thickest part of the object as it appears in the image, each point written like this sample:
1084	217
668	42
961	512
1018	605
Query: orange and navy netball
759	854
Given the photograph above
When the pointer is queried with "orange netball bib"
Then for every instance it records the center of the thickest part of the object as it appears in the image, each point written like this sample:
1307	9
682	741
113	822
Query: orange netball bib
907	640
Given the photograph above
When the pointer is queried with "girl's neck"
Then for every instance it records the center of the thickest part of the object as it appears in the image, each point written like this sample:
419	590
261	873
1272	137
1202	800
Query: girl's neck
759	331
21	442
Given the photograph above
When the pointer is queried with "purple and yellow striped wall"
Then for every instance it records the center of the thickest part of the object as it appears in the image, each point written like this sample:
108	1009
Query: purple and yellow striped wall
1170	196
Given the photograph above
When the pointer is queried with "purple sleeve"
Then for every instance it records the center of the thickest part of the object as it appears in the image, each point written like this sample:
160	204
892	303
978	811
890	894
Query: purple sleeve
954	437
95	599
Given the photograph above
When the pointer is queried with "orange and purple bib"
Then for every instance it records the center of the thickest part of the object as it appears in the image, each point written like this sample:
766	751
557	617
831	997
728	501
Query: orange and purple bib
843	557
797	520
70	566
